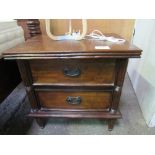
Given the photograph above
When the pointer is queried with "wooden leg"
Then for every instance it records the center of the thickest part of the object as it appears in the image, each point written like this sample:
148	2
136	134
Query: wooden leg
41	122
111	123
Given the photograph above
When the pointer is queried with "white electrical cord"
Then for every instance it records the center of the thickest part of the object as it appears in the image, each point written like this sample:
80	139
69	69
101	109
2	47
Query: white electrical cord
98	35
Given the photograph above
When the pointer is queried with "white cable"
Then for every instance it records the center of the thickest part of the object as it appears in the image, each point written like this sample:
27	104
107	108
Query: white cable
98	35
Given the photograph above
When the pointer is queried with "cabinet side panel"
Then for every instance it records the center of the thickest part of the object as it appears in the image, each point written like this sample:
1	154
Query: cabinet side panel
121	66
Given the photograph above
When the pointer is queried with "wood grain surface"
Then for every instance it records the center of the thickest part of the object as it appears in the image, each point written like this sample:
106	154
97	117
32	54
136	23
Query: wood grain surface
89	100
43	46
92	72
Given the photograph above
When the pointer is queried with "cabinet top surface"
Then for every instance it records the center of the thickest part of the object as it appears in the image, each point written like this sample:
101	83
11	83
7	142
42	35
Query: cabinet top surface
43	46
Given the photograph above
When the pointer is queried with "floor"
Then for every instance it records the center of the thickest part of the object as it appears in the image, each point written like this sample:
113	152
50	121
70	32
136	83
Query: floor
132	122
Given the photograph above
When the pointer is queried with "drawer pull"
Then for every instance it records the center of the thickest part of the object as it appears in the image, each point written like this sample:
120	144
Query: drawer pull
73	100
73	73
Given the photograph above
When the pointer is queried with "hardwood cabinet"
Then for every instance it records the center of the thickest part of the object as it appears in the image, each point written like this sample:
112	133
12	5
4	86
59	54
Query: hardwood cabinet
72	79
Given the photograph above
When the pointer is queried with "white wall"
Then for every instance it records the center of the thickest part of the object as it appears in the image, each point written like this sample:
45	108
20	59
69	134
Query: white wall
142	71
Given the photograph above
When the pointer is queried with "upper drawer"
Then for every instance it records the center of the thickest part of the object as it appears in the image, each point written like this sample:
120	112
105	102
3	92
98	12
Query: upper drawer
73	71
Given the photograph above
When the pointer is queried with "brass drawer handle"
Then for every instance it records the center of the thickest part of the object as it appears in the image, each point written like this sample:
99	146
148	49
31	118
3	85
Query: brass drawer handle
73	100
73	73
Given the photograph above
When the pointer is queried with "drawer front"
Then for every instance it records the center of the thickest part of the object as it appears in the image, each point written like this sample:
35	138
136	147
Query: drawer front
73	71
74	100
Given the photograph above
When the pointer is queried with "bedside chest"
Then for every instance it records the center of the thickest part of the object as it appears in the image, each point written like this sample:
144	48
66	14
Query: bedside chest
72	79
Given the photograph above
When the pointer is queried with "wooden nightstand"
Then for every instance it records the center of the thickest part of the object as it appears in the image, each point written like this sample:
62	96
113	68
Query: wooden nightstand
72	79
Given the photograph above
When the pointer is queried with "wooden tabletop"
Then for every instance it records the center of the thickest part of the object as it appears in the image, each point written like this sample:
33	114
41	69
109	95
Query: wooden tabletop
42	46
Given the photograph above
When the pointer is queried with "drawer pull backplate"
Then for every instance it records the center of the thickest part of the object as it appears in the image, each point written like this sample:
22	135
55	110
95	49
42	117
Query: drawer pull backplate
73	100
71	72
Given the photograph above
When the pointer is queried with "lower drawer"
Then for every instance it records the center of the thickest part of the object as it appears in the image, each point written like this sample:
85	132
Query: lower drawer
74	100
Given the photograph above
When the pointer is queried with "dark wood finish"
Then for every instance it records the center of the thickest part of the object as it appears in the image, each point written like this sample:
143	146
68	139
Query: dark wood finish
74	114
121	66
92	72
27	79
111	124
23	24
31	27
42	47
34	27
88	100
91	85
41	122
